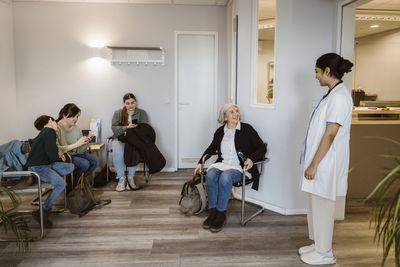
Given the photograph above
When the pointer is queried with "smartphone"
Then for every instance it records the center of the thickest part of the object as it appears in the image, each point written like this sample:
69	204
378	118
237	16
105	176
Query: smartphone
134	121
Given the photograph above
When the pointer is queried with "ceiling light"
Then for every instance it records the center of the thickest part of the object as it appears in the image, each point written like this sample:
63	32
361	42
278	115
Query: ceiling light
374	26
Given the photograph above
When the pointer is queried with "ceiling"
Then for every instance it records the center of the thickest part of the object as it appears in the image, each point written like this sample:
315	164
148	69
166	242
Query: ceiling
165	2
385	13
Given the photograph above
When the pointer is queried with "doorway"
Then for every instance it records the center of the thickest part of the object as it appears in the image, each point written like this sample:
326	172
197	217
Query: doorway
196	57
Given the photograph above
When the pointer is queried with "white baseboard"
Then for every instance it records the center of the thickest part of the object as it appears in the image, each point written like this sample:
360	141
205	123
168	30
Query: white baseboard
169	170
274	208
140	168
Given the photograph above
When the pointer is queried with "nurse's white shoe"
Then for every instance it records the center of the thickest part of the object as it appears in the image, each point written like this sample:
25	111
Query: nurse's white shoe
306	249
316	258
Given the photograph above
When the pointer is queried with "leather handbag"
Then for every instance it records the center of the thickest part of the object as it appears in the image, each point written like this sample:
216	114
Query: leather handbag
193	197
81	199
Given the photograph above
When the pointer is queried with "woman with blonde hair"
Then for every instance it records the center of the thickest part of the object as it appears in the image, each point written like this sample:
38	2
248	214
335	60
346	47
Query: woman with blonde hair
238	145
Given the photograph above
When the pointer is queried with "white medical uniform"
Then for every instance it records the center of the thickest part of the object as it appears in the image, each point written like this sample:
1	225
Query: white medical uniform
330	179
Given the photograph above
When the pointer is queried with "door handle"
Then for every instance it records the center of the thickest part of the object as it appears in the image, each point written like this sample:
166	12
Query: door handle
184	103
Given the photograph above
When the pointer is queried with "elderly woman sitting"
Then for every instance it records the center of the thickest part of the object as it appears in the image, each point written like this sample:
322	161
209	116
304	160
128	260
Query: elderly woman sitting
238	146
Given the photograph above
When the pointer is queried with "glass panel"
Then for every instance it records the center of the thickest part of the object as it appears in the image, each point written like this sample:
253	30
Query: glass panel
265	58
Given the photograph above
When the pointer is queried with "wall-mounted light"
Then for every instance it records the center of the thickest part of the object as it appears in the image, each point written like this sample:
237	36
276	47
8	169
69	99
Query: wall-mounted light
101	52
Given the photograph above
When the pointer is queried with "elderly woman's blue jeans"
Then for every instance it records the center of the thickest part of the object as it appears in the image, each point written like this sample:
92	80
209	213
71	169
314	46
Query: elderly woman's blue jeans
52	174
219	186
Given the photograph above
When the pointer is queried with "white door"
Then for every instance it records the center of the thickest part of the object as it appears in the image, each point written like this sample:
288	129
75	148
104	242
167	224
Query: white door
196	82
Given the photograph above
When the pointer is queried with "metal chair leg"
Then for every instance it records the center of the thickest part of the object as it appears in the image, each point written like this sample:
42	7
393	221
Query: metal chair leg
29	173
147	175
244	220
65	194
34	202
243	197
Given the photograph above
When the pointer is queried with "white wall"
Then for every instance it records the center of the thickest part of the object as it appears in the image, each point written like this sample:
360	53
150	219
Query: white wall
305	29
8	106
55	65
377	64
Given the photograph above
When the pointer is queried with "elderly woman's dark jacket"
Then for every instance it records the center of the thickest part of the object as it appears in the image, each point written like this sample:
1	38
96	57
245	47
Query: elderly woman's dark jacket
247	141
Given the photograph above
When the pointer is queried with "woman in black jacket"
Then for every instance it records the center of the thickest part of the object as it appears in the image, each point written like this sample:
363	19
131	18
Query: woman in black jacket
237	146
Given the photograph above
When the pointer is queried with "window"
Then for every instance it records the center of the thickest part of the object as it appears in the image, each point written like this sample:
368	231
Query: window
265	52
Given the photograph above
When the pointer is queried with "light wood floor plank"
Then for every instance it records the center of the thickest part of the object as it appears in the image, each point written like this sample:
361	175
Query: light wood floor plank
145	228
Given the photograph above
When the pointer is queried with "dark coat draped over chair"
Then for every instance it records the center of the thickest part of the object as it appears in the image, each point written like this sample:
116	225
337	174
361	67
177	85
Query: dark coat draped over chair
140	147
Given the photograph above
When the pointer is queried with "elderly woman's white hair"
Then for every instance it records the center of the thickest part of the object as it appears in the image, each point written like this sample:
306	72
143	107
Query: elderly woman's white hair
223	110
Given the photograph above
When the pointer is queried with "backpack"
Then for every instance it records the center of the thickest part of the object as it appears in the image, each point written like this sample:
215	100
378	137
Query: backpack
193	196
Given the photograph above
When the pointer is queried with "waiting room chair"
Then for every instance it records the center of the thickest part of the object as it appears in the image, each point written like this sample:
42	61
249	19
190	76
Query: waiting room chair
48	190
245	182
11	174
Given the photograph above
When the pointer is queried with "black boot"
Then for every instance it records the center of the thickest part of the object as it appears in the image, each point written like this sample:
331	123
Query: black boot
46	221
219	221
211	217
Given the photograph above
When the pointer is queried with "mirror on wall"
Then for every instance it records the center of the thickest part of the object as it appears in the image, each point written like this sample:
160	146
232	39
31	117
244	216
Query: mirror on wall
265	56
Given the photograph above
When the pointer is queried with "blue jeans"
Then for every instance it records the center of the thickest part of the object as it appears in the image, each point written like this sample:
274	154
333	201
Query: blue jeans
85	163
118	160
51	174
219	186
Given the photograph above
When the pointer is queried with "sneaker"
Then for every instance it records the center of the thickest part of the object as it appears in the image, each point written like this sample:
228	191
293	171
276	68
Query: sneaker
316	258
210	219
46	221
131	183
219	222
121	184
306	249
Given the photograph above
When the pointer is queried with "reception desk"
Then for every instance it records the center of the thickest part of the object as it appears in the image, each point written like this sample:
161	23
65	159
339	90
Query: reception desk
366	147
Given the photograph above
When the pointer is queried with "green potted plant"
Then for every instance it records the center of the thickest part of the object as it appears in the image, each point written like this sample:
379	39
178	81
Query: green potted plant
386	211
12	220
270	91
270	95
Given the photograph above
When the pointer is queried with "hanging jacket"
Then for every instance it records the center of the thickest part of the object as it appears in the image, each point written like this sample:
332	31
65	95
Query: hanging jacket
12	155
140	147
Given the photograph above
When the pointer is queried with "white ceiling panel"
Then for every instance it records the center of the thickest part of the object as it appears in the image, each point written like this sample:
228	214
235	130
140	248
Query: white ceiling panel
163	2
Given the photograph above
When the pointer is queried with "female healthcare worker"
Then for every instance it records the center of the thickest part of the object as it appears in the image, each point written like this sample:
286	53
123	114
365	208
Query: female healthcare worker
325	157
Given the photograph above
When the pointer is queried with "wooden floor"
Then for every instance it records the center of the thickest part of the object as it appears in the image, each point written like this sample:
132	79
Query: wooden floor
145	228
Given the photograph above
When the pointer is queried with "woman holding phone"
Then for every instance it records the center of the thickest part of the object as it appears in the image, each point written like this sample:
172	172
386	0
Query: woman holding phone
70	140
125	118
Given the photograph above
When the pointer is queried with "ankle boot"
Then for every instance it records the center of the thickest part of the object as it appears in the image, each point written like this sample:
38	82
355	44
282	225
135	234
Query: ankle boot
211	217
219	222
46	221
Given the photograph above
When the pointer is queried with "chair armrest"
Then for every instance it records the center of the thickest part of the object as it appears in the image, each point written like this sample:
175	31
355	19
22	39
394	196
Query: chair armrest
261	161
260	164
109	139
21	174
17	174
